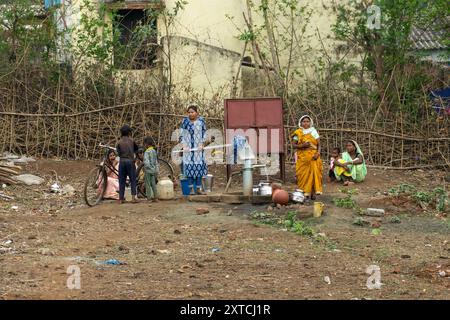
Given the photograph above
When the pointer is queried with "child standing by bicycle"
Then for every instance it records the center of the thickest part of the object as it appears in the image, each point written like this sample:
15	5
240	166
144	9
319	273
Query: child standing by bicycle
151	169
126	150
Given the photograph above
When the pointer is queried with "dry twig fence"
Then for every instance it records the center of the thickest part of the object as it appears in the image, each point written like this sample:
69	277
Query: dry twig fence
77	135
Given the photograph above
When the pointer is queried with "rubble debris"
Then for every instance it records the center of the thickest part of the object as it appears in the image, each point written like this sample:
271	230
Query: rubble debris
202	211
68	190
5	197
28	179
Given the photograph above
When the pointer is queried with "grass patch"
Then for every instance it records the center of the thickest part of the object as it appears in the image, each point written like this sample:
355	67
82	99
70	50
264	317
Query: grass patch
347	202
292	224
395	219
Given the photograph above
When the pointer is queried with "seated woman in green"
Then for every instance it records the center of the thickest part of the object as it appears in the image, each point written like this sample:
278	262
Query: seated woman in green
351	167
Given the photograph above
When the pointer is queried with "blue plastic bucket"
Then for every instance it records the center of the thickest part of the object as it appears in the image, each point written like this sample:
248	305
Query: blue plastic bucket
185	188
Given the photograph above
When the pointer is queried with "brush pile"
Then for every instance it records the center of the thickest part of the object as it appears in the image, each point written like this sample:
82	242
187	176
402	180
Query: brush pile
7	171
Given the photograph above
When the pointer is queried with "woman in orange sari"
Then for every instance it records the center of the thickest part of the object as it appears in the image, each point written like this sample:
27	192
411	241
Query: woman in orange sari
308	167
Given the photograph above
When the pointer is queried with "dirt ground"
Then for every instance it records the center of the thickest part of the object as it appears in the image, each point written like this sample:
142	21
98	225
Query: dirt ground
172	253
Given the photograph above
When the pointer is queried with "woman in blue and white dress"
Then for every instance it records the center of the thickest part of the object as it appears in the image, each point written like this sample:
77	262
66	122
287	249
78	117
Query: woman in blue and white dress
193	136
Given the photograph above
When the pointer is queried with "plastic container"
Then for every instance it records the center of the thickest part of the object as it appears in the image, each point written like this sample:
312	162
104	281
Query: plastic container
185	188
318	209
375	212
164	188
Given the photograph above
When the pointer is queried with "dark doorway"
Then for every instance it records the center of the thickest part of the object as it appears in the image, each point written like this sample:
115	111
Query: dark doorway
136	31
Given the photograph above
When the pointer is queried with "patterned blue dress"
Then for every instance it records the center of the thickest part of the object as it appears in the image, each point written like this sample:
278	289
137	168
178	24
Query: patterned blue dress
193	134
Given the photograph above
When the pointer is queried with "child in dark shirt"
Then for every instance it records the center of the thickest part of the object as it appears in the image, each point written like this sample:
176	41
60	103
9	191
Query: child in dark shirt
126	150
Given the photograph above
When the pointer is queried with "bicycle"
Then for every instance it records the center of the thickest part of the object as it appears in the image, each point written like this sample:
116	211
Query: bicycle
95	184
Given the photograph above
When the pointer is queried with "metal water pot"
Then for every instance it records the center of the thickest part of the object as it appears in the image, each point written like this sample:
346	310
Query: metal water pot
265	189
298	196
207	183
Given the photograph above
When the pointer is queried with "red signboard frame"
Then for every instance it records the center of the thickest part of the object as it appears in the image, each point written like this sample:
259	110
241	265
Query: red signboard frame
261	114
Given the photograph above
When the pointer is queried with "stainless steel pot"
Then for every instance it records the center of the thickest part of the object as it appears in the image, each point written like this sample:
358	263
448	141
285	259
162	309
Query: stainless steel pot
298	196
265	189
207	183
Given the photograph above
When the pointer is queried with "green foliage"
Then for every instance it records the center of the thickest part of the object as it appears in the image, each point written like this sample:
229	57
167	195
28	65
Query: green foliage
437	197
346	202
359	221
289	222
395	219
441	198
387	48
24	38
376	231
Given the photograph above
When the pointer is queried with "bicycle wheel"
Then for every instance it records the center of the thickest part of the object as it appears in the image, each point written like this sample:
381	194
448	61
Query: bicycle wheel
165	169
95	186
140	181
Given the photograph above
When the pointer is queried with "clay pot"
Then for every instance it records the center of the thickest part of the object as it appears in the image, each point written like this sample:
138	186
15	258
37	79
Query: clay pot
275	187
281	197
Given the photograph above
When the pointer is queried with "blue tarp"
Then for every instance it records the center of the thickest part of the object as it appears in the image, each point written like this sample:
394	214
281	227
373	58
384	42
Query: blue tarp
50	3
441	101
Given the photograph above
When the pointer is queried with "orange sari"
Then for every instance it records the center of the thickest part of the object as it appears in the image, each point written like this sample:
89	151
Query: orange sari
308	171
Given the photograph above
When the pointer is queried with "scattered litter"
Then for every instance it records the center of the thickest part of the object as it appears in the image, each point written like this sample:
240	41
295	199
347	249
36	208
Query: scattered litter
405	256
113	262
55	188
7	243
28	179
215	249
164	251
428	245
24	159
5	250
442	273
230	213
5	197
15	208
327	279
3	186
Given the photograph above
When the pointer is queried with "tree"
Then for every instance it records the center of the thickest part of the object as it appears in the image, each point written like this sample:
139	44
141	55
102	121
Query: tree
388	44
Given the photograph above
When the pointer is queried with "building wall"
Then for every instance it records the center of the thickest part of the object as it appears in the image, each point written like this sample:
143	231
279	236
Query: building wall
206	54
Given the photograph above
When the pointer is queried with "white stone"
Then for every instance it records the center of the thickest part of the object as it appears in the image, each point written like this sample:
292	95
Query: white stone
29	179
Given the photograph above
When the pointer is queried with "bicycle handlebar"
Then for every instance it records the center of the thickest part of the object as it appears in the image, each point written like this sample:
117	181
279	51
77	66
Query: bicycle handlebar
101	145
